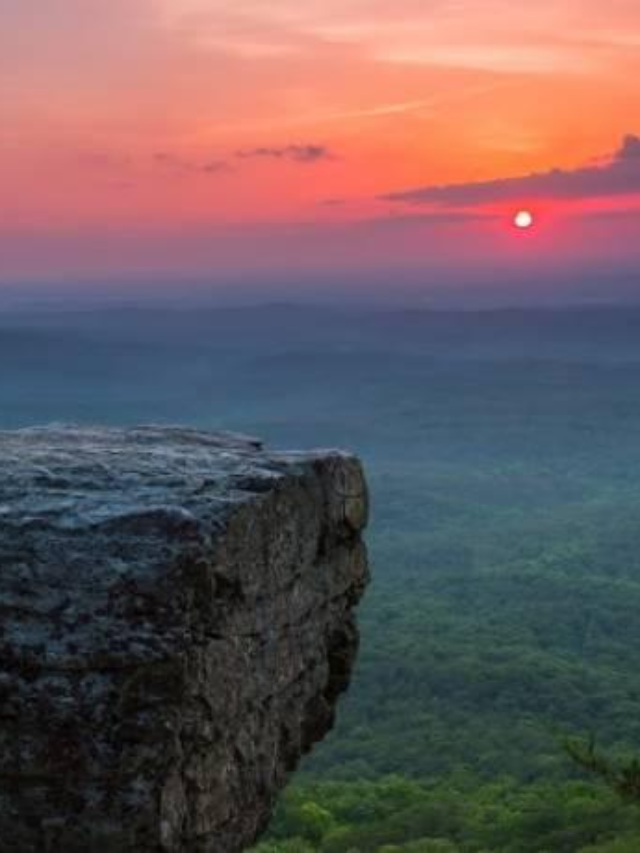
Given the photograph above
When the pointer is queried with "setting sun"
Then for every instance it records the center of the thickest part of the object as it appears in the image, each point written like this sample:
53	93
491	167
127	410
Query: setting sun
523	219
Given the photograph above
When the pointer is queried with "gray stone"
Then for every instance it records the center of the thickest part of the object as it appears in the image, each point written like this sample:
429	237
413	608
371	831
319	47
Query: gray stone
176	624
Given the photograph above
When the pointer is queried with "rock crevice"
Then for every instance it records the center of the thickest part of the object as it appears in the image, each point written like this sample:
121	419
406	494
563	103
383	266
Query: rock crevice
176	625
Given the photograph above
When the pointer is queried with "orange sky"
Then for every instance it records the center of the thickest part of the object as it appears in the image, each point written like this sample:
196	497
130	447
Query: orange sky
252	123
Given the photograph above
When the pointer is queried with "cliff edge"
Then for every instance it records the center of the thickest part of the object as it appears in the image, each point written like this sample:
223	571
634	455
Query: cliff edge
176	624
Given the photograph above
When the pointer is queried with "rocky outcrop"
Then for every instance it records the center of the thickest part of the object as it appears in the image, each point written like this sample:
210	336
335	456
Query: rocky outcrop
176	624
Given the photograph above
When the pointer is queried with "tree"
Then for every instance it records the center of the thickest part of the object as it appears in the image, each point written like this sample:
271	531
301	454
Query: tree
624	778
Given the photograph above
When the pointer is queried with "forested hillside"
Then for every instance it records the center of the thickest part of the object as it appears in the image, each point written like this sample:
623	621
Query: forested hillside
503	451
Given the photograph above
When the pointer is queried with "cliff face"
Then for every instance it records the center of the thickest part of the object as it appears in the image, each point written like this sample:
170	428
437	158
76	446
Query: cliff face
176	624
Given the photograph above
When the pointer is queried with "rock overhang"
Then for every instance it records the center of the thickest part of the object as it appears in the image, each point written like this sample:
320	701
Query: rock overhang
177	624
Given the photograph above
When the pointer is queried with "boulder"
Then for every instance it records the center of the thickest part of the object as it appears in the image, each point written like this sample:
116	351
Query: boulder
176	625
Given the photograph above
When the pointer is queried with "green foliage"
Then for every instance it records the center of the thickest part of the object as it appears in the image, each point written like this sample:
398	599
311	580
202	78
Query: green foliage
454	815
503	616
623	778
623	844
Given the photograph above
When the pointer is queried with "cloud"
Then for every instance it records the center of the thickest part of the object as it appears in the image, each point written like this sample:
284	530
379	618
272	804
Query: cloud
618	175
306	154
181	164
630	149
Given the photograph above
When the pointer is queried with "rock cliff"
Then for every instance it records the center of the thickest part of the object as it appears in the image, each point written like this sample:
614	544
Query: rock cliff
176	624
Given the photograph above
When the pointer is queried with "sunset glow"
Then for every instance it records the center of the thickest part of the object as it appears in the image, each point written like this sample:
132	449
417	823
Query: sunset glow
203	135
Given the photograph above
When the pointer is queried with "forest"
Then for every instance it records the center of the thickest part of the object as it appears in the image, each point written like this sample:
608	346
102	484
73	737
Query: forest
504	462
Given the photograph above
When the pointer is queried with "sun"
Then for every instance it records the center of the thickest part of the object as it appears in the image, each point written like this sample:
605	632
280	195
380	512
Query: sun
523	219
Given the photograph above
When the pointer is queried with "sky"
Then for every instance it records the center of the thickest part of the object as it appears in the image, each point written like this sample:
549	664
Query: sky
208	136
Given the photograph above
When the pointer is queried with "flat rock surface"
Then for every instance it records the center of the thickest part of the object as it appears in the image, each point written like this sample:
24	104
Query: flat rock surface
176	624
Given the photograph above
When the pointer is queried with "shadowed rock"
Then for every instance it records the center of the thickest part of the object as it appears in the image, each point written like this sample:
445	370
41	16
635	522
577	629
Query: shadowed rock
176	624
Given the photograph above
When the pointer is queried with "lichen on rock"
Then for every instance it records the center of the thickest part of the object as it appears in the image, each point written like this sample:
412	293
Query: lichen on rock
176	624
